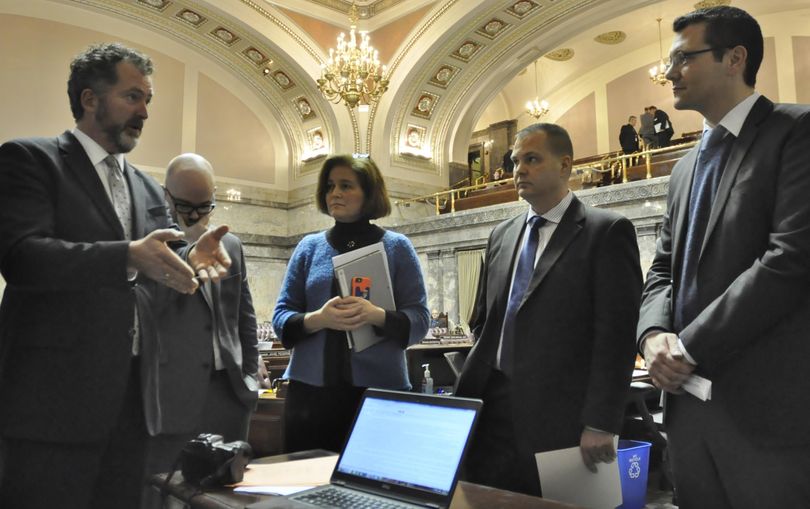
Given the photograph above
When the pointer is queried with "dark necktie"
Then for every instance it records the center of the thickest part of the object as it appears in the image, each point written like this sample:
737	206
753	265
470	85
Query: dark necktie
523	274
706	179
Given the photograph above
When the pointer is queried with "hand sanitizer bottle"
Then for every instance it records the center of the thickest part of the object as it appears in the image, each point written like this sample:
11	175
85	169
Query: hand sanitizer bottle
427	381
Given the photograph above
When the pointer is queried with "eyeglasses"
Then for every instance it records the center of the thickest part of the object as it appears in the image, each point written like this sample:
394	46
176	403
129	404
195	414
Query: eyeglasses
184	207
679	58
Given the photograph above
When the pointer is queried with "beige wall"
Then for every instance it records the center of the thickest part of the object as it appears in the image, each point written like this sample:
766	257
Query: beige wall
580	122
42	51
231	136
801	64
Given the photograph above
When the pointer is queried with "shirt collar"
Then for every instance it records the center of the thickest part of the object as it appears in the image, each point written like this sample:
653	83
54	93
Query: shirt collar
94	151
555	214
734	119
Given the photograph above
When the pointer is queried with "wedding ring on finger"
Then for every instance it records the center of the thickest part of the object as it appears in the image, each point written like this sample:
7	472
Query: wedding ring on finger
166	276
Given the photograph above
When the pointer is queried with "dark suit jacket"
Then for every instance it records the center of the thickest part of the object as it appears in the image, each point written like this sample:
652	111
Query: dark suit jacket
628	138
66	319
185	325
751	339
574	341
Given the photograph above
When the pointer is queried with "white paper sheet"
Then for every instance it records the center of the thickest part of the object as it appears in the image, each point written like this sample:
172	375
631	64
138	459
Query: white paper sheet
564	477
272	490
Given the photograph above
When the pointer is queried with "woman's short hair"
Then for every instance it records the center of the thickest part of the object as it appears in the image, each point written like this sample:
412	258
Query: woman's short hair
376	203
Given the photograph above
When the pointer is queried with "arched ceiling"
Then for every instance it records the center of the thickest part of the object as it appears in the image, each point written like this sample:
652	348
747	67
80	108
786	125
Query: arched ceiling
449	60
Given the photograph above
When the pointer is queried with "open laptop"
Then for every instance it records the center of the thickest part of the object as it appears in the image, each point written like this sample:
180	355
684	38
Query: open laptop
404	451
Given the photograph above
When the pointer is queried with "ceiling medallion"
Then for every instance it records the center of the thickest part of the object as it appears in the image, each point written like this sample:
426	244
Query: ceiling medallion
155	4
492	29
224	35
705	4
466	51
283	80
191	17
443	76
614	37
522	8
425	104
560	55
304	108
255	56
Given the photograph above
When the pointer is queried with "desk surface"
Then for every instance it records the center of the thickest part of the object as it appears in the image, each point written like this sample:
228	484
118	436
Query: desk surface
467	495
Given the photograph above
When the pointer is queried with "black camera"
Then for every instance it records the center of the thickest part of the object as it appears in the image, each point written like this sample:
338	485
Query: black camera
208	461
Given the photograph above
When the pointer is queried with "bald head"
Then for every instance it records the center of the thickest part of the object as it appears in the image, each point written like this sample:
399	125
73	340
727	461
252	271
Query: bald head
190	189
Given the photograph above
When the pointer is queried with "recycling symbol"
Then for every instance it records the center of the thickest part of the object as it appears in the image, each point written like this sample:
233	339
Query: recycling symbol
634	471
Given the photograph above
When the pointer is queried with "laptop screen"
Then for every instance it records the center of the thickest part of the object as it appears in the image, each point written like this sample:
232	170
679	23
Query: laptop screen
416	445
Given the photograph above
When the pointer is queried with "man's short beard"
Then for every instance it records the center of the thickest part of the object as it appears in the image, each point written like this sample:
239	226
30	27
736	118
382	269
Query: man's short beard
124	143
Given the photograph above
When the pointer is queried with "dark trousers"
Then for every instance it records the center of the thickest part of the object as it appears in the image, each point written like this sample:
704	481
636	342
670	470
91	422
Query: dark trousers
495	458
223	414
319	417
98	475
716	465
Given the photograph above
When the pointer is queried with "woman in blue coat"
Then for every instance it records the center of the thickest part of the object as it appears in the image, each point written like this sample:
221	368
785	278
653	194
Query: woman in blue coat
327	379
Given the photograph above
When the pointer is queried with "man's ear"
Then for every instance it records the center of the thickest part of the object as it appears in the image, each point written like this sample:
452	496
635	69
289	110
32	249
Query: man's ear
89	100
566	163
737	58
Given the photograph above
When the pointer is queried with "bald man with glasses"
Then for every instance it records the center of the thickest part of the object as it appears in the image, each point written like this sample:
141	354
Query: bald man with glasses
209	353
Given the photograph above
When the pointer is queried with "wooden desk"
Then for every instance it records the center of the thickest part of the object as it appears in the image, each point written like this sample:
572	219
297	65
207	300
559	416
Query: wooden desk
467	495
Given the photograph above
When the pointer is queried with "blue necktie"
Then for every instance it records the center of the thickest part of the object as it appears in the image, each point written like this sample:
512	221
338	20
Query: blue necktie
705	181
523	274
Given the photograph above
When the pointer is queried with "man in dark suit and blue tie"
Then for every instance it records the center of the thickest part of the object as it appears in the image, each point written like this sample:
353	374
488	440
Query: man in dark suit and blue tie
554	324
81	232
728	295
209	350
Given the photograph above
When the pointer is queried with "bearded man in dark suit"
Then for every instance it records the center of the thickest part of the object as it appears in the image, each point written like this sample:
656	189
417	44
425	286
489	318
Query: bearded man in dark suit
554	324
82	234
728	295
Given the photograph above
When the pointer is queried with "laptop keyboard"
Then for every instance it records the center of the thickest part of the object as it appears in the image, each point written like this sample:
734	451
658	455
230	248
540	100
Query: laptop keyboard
335	497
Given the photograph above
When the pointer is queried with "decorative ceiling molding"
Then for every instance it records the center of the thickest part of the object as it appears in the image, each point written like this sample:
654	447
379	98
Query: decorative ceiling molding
560	55
705	4
612	37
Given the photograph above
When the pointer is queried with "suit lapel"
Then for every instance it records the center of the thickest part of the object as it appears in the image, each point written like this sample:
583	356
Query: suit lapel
569	227
762	108
503	266
80	165
138	200
684	187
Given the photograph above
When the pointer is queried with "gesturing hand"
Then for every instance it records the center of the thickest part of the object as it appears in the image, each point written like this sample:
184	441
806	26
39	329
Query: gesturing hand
151	257
208	257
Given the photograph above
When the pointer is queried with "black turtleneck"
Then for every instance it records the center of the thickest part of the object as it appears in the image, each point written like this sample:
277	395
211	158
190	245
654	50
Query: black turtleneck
345	237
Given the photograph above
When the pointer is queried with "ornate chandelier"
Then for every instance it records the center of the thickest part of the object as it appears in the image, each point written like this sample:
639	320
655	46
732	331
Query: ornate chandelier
353	72
536	108
658	73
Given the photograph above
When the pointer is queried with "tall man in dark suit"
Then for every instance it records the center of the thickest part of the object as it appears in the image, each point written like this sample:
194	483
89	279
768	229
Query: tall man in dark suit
628	137
554	323
81	231
209	351
663	127
728	293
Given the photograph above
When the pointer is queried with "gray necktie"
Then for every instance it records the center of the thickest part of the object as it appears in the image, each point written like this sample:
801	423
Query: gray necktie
123	209
119	194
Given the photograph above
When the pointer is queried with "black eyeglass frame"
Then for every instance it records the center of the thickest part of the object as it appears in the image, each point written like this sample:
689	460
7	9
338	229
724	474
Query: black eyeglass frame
183	207
679	58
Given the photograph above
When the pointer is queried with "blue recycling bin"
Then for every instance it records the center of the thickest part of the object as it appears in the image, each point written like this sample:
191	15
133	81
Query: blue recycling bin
634	462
